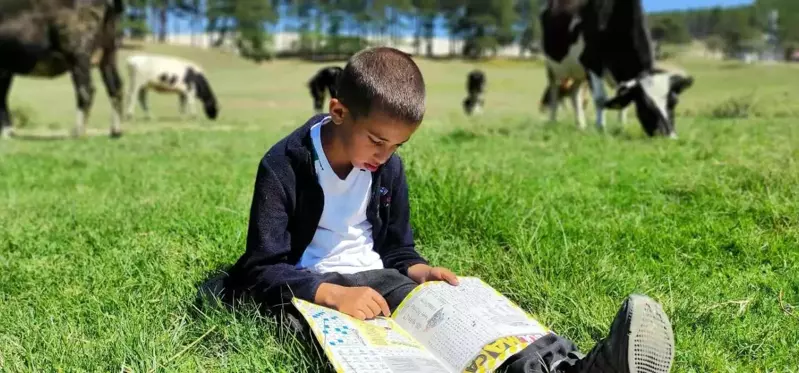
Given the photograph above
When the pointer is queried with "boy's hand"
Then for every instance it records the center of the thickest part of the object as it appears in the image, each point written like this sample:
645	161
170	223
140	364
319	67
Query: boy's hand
422	273
359	302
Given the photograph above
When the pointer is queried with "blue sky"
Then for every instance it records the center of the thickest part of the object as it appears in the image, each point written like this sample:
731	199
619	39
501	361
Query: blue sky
660	5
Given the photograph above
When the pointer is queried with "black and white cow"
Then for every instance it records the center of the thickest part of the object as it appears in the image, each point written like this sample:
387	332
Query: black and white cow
475	88
609	40
49	38
165	74
325	79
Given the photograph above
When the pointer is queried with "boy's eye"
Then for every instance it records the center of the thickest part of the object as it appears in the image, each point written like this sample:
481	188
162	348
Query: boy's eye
375	141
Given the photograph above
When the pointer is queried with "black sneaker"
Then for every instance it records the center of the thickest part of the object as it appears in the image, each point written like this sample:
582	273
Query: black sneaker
640	341
212	292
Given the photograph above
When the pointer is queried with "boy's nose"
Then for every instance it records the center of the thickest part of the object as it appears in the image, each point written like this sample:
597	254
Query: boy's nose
382	157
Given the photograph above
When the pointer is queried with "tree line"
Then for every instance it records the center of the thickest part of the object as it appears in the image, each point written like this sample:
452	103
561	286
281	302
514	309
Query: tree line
730	30
341	26
475	28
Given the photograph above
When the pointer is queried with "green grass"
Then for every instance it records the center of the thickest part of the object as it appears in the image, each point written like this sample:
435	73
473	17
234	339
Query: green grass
104	242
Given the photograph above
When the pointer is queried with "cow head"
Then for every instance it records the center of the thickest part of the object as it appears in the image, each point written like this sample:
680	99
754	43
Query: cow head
655	96
204	92
332	85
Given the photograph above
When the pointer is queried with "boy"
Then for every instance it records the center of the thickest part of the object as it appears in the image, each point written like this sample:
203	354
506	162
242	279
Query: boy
329	223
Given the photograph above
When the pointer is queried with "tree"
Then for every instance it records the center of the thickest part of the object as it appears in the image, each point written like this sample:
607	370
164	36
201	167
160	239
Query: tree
246	20
505	17
252	17
788	31
426	14
135	22
162	8
714	43
670	30
736	30
485	26
527	22
714	21
453	11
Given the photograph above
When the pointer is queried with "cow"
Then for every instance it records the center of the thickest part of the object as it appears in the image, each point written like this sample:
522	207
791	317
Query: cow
608	40
324	79
166	74
47	38
475	87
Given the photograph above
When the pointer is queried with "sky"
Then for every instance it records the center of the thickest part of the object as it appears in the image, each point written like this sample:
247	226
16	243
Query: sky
661	5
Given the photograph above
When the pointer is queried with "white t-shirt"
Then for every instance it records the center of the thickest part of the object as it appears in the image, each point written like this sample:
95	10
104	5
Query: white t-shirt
343	240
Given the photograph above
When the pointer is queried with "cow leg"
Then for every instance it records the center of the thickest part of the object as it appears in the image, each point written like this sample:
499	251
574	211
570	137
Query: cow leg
182	104
5	117
133	93
143	103
113	86
478	104
623	116
84	91
191	103
554	100
600	97
577	104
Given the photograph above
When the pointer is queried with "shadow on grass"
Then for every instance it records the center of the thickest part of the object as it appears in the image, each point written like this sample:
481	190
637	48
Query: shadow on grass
42	137
212	297
49	135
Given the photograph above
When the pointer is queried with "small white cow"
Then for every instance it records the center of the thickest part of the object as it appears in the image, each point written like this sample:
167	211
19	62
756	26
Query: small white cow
165	74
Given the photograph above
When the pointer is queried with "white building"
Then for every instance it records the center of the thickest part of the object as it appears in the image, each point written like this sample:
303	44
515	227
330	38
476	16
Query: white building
287	41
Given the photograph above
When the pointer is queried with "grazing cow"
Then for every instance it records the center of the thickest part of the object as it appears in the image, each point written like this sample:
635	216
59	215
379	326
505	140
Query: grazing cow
165	74
47	38
475	86
325	79
610	40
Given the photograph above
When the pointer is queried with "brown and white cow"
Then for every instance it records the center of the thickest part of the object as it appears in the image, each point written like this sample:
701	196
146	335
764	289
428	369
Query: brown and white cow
47	38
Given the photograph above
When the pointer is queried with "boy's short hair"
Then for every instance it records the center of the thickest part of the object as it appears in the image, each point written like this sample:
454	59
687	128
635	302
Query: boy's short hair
383	79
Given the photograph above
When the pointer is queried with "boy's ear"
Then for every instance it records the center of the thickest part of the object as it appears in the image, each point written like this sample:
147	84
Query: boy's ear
337	111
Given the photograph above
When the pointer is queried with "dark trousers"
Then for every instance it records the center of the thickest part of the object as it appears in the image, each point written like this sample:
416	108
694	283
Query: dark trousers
394	287
391	284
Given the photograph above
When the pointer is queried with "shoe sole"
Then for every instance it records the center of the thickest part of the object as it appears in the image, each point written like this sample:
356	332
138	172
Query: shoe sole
650	347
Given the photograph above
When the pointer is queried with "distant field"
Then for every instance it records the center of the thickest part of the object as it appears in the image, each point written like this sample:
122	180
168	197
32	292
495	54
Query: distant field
103	242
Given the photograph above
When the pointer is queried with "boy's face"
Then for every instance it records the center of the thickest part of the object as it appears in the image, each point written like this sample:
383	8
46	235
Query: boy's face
369	141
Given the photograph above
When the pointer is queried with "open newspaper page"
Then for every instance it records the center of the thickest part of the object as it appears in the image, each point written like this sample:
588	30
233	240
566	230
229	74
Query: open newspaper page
470	326
377	345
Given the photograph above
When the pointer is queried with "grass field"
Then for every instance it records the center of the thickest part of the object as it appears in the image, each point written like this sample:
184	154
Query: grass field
103	242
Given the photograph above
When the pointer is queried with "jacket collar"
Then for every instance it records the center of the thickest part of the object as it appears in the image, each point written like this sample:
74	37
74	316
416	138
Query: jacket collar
300	146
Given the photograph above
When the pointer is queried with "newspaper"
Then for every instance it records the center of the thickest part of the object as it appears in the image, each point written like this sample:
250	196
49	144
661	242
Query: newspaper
437	328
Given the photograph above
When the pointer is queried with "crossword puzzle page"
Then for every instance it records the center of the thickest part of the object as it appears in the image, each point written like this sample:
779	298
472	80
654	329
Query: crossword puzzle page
377	345
437	328
472	327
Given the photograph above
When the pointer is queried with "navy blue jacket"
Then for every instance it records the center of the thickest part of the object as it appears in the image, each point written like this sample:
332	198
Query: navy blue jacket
286	207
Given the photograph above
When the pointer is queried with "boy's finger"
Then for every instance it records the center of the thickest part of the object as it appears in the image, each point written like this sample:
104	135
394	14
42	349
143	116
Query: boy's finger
373	308
360	315
383	304
451	278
